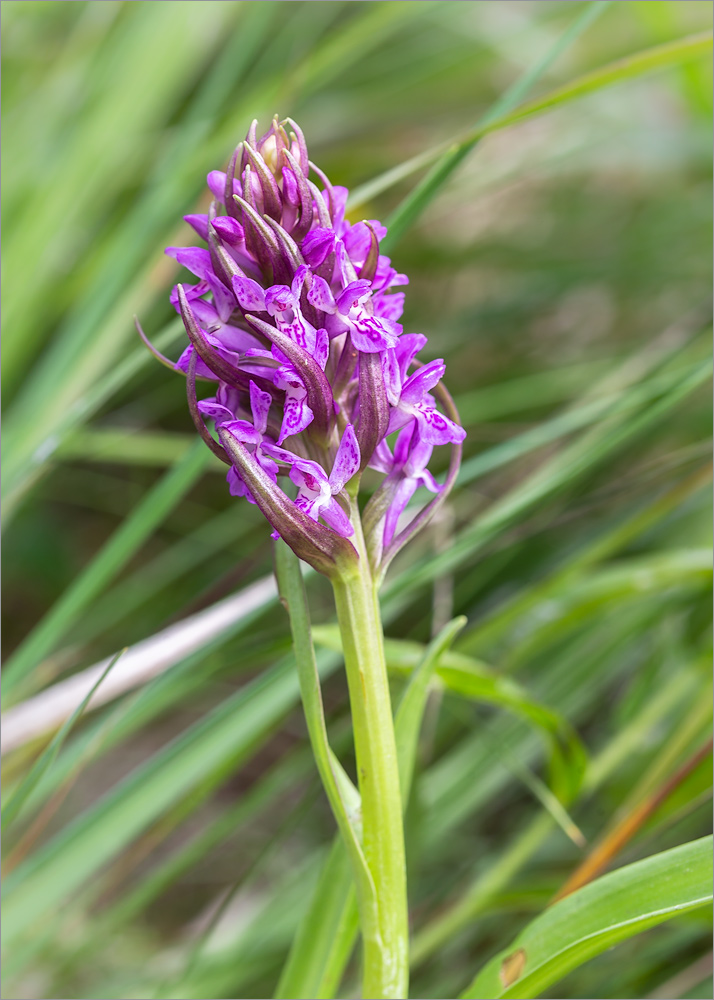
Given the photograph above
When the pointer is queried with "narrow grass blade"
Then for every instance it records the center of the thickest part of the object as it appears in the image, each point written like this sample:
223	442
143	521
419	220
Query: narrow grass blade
418	199
495	625
615	839
26	450
92	444
572	463
409	714
48	756
115	554
481	889
326	935
612	909
658	57
144	661
227	735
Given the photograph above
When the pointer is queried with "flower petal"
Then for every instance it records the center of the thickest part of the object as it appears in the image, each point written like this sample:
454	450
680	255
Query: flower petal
279	298
391	376
435	428
317	245
347	460
199	223
223	298
216	181
260	405
352	296
297	415
249	293
389	306
409	346
419	384
334	516
372	334
194	259
229	230
320	295
322	348
236	485
217	411
402	495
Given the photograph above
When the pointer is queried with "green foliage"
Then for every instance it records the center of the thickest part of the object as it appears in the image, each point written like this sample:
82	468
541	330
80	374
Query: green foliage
551	166
597	917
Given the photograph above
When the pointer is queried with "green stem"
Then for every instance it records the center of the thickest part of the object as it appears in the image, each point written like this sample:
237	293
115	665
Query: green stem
386	947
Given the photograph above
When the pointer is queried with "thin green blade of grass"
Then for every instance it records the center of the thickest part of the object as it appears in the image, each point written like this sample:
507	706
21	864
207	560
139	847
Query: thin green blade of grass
417	200
115	554
164	693
87	171
598	916
227	734
104	444
325	936
469	775
481	889
21	472
649	60
48	756
605	544
577	459
217	535
169	870
410	712
677	572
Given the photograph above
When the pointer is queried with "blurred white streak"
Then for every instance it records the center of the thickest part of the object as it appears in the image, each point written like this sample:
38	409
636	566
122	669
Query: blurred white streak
47	710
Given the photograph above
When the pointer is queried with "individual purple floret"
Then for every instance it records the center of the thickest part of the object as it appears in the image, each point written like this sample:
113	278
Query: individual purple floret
295	317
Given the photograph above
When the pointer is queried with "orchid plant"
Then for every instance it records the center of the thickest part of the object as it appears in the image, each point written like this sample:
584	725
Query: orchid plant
294	320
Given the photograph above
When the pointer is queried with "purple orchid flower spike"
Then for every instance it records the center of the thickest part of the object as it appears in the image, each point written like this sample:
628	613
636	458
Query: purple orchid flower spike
294	315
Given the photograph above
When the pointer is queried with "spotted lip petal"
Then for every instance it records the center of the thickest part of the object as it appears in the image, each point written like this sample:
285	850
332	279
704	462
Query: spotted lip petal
347	460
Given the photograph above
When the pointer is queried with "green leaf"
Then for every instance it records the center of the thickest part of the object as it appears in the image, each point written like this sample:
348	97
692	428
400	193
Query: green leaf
611	909
227	735
48	756
415	203
326	934
110	559
409	714
463	675
659	57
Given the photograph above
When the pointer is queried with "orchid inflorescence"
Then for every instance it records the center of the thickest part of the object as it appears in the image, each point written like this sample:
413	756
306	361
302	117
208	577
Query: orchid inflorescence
295	317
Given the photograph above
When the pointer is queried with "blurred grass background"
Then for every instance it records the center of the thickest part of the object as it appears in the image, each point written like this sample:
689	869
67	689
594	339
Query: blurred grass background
563	272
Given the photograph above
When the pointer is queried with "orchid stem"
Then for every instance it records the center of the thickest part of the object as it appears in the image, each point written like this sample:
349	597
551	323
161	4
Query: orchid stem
386	961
